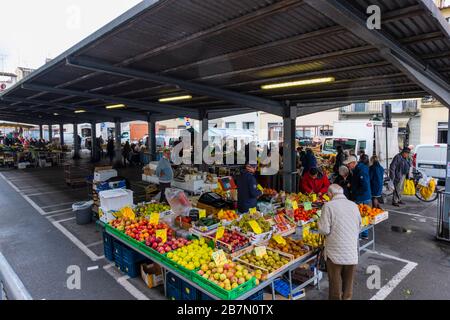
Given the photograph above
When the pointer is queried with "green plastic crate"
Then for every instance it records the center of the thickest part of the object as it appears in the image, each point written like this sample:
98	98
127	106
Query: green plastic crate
222	293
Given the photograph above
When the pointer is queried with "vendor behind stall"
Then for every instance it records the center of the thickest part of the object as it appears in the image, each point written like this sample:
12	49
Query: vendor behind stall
248	192
164	173
314	182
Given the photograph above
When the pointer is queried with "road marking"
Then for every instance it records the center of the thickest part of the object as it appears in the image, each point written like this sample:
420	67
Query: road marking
94	244
387	289
64	220
123	281
29	188
58	211
77	242
92	268
56	215
413	214
57	205
12	282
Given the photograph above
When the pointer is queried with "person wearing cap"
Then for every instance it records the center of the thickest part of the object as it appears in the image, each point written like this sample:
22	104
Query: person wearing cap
164	172
398	170
361	191
314	182
309	161
248	192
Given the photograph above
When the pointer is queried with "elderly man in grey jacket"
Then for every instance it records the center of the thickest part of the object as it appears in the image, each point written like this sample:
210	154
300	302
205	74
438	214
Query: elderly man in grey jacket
398	170
340	222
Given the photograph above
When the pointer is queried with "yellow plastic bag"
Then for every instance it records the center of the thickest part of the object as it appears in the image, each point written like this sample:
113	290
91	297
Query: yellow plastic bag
409	188
427	192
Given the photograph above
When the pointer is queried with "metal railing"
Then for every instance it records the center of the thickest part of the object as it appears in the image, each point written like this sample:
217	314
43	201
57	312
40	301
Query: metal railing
376	107
442	231
11	288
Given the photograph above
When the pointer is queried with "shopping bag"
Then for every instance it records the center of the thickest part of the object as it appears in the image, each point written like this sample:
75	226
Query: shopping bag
321	264
427	192
409	188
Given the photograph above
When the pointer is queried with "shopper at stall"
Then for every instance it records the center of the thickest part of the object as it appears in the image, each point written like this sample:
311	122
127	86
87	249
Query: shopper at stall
126	151
340	158
248	192
110	150
309	162
361	182
398	170
314	182
340	222
376	174
343	180
164	172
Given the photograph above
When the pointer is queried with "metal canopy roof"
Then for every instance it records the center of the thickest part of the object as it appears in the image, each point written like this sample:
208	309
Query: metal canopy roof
221	52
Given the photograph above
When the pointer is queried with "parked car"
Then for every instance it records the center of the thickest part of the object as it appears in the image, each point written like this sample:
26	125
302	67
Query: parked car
431	159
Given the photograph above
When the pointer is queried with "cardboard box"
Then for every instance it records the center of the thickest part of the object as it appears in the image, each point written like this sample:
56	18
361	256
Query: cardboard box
151	274
102	168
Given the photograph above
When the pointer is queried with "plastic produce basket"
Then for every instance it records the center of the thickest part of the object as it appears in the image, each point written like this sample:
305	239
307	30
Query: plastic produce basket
222	293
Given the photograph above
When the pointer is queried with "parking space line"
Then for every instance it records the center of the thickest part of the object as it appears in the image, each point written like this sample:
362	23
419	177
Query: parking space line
63	220
57	205
94	244
413	214
56	215
58	211
123	281
387	289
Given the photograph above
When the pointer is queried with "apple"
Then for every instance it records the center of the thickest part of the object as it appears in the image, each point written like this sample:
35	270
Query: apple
200	272
223	277
241	280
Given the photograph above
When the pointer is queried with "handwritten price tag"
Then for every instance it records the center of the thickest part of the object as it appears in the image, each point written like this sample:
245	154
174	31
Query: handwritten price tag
279	239
201	213
255	226
314	197
154	218
220	232
260	251
306	230
307	206
252	210
219	258
162	234
294	205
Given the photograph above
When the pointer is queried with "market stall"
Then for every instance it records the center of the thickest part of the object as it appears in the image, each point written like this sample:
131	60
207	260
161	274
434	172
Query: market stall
222	255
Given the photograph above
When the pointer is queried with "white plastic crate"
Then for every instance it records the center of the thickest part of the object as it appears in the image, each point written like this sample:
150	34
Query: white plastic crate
104	175
116	199
380	217
106	216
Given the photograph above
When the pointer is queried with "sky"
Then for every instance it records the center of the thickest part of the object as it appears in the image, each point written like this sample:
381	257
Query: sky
33	30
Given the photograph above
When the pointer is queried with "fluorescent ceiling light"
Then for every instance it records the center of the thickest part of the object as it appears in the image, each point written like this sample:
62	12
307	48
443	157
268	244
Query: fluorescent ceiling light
178	98
56	114
297	83
80	111
115	106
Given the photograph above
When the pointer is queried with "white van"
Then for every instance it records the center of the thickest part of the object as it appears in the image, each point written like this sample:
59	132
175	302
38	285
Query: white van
431	159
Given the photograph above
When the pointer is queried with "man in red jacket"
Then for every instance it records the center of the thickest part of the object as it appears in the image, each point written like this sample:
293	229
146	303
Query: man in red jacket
314	182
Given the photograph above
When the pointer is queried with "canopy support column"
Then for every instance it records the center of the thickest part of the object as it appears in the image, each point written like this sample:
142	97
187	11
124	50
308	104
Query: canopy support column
289	169
118	143
41	131
50	133
204	123
94	151
76	142
445	229
61	134
151	140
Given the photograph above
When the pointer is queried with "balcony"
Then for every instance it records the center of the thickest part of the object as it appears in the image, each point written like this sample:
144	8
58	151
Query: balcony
374	108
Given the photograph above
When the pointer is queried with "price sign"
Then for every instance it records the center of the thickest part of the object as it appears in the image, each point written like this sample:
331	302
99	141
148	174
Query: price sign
154	218
307	206
260	251
219	258
279	239
162	234
255	226
306	230
294	205
260	188
314	197
252	210
365	221
220	232
326	197
202	213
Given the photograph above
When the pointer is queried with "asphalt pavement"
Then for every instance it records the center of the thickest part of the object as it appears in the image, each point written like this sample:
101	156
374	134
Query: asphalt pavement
42	242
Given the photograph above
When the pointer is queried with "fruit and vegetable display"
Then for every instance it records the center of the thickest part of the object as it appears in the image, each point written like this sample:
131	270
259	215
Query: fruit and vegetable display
206	223
193	255
229	276
228	215
143	230
314	240
269	192
244	225
267	263
295	247
183	222
232	241
146	209
301	214
282	223
368	211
